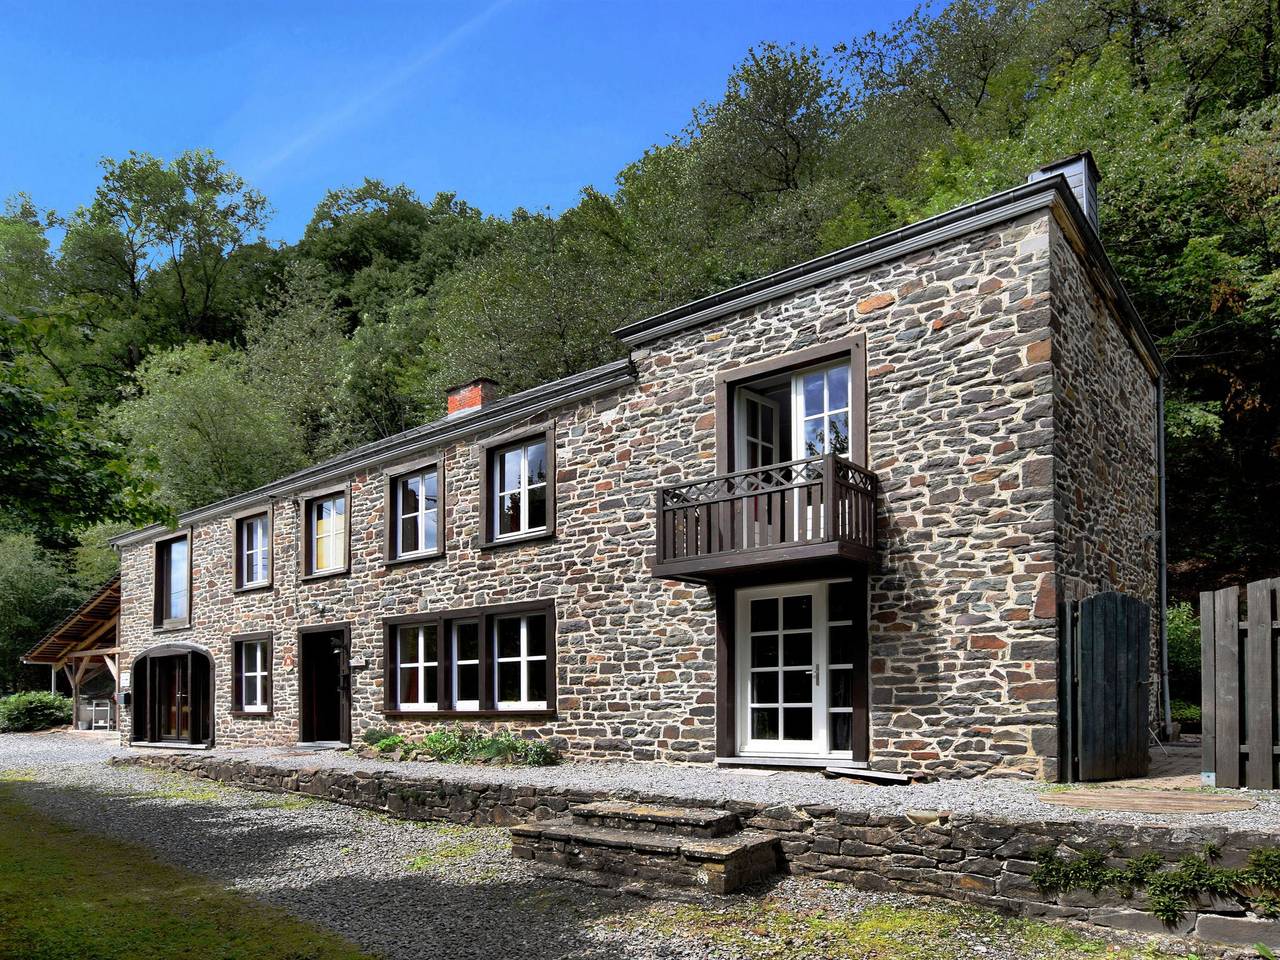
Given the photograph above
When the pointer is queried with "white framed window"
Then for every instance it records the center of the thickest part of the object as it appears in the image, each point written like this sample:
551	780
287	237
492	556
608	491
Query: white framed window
418	667
820	404
417	513
465	651
519	482
173	581
254	545
328	520
520	661
254	668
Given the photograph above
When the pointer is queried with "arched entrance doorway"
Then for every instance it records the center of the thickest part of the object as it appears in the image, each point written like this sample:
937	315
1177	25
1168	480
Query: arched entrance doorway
173	696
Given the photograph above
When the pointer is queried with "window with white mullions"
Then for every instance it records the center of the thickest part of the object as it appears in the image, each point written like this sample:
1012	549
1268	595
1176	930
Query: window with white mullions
329	534
418	667
417	510
255	545
466	665
520	662
821	400
255	673
780	690
520	489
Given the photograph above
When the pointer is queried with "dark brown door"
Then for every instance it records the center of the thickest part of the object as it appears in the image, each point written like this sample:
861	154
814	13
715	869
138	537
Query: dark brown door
326	687
172	697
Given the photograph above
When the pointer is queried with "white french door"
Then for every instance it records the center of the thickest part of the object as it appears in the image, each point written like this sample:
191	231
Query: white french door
781	652
798	664
758	427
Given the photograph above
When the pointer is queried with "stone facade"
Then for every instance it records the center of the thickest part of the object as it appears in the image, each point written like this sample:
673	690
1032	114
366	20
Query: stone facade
1008	421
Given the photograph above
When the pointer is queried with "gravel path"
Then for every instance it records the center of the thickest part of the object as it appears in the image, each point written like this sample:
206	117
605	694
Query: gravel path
405	890
993	797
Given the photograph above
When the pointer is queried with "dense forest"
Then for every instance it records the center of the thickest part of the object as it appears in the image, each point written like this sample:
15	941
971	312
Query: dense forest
158	350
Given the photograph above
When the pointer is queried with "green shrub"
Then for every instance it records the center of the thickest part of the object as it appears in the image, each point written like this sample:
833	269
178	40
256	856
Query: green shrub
374	735
1184	652
34	710
457	744
387	744
1187	714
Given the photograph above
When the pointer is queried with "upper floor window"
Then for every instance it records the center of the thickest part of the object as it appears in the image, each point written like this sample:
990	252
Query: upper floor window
253	551
519	483
253	674
821	405
416	514
327	534
173	582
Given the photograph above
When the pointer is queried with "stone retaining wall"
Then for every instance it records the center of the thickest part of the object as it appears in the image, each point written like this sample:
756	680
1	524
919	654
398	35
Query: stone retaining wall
985	861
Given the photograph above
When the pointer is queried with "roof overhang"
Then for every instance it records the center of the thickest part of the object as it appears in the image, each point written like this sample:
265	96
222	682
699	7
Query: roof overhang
87	627
1048	194
502	412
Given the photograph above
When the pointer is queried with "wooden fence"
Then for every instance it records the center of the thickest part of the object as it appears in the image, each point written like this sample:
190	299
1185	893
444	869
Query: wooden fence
1240	676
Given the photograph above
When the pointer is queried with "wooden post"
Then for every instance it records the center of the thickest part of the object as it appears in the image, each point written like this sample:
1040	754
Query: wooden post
1226	630
1257	694
1208	734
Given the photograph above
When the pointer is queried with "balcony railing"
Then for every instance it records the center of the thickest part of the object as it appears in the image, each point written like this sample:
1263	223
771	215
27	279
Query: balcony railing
799	510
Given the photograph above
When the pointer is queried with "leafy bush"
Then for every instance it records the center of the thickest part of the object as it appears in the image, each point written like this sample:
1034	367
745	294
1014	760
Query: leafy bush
34	710
1187	714
1184	652
458	744
373	736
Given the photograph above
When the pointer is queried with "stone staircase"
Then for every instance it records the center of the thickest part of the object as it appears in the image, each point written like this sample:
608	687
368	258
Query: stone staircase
676	846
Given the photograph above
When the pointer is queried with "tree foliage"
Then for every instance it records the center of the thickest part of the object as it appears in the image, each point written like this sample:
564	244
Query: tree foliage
158	352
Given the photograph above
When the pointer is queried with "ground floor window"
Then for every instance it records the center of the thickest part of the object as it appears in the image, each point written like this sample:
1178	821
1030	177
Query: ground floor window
418	667
473	660
253	673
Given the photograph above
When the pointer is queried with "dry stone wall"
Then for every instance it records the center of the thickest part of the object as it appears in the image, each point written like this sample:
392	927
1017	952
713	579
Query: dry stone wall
961	432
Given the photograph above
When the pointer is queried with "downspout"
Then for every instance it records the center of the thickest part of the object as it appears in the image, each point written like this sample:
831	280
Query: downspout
1162	565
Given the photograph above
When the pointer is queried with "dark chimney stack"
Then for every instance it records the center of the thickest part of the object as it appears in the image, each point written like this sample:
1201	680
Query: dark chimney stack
1082	176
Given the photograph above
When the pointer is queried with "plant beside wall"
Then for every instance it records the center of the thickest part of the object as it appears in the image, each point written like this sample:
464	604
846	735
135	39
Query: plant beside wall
459	744
1170	891
34	710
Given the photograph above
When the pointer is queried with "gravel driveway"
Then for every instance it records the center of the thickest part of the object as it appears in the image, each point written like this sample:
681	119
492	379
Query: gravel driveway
407	890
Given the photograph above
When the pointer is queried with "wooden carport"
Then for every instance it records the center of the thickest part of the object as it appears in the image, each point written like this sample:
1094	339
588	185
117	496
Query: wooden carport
84	645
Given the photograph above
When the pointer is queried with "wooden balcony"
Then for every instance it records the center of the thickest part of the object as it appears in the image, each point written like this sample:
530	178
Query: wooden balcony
804	512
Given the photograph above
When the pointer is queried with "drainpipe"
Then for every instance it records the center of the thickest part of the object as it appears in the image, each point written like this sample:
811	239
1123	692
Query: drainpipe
1162	565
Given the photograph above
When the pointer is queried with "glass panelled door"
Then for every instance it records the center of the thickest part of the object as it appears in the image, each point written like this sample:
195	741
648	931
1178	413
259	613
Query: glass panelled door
781	653
801	667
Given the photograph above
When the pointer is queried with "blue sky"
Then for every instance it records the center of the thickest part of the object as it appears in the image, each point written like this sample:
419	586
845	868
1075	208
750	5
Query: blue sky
515	102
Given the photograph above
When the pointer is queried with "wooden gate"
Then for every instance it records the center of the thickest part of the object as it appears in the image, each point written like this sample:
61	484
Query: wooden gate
1106	670
1240	677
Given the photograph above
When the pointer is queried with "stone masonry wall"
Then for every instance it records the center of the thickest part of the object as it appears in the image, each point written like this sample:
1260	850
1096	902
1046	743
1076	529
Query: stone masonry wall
961	435
983	860
1104	466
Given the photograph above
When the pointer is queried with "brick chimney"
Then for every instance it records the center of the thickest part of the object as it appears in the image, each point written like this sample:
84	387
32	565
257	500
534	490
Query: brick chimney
473	395
1082	176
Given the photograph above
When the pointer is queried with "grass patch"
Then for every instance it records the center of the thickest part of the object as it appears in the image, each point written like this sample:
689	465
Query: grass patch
178	786
453	843
762	930
66	894
17	776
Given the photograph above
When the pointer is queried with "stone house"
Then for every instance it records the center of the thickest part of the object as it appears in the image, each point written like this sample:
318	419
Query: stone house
824	517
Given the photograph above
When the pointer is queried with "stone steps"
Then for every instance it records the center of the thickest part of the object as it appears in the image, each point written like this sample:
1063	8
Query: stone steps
673	846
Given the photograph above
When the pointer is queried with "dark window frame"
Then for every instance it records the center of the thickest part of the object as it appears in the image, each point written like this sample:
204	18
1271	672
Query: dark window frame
237	526
728	381
444	620
308	560
237	674
160	581
391	518
489	521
